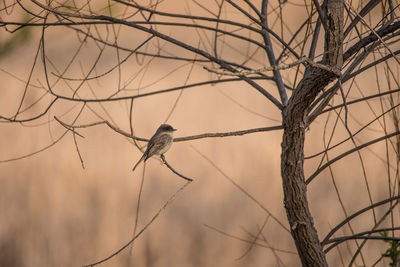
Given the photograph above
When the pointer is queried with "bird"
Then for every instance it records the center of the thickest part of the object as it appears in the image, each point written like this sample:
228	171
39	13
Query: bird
159	143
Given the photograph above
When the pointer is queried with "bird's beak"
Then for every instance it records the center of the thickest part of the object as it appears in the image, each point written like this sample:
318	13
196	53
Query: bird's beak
174	130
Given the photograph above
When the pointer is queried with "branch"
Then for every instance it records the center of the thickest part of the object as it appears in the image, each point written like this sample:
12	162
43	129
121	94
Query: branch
375	33
319	170
248	241
234	133
362	99
386	30
174	171
357	132
179	139
163	91
34	117
250	196
271	55
339	240
321	14
302	60
368	7
349	218
169	201
355	237
169	39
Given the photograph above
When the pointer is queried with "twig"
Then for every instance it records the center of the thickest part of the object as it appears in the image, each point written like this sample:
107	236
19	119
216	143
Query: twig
375	33
349	218
174	171
248	241
139	201
319	170
186	138
68	127
302	60
339	240
74	134
270	53
78	151
143	229
255	238
242	189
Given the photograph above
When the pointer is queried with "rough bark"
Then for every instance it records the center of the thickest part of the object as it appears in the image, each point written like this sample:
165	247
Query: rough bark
295	123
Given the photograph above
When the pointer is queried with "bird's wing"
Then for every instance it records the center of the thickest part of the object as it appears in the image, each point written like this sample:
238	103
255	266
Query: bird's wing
158	143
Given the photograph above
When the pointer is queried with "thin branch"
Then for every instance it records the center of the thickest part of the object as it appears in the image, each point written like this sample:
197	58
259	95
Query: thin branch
319	170
357	132
270	53
346	238
234	133
174	171
248	241
339	240
169	39
87	78
362	99
180	139
242	189
366	9
29	80
314	40
169	201
372	37
375	33
321	14
349	218
255	238
302	60
68	127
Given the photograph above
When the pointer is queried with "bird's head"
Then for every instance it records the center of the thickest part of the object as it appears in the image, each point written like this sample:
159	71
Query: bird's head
166	128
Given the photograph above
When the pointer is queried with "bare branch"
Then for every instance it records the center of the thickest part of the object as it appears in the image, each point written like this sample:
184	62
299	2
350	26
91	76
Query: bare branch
349	218
319	170
301	60
271	55
174	171
167	203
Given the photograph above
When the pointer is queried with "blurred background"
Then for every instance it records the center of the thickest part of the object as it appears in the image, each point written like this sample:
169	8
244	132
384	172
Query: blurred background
55	212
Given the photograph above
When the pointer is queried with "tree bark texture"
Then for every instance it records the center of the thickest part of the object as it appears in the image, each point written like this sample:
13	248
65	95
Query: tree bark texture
295	123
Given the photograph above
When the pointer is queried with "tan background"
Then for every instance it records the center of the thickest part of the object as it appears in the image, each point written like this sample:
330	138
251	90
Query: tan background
55	213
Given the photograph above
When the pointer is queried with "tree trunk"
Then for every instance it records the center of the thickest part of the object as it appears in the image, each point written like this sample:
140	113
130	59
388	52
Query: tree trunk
295	123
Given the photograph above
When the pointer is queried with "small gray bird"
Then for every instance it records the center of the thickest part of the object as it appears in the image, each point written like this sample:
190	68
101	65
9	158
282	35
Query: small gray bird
159	143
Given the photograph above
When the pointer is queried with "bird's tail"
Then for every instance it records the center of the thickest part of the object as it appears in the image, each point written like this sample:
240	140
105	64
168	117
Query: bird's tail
140	160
